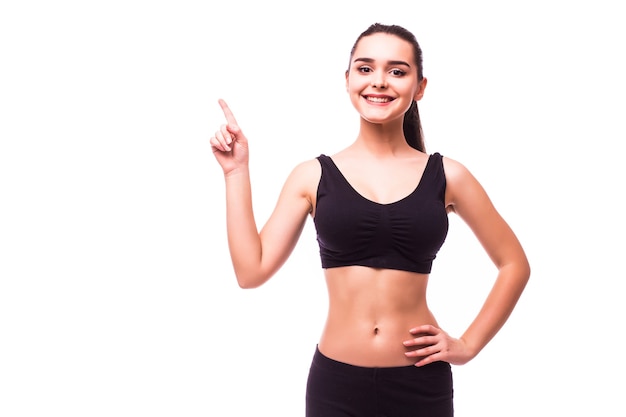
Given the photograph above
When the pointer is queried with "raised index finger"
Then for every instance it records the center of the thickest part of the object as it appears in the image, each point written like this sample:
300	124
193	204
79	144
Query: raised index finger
230	117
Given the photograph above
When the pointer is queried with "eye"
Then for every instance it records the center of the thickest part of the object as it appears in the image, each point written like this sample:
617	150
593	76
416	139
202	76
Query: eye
398	72
364	69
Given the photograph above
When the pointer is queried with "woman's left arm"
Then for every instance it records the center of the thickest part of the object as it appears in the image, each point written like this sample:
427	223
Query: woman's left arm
466	197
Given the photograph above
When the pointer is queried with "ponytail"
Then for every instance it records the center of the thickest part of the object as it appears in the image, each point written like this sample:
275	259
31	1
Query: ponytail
412	127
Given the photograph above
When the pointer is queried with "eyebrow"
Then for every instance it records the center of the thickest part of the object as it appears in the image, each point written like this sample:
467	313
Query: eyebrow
371	60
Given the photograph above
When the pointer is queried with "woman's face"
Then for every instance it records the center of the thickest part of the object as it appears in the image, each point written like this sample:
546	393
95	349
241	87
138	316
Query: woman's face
382	78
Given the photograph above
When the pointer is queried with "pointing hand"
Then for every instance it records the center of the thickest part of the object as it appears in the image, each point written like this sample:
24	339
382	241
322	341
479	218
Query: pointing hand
229	144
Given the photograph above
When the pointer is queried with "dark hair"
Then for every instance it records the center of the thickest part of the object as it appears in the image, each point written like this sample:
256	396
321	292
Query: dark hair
412	125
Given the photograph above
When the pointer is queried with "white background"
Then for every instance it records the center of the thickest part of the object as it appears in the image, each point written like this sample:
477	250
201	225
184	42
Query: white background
117	296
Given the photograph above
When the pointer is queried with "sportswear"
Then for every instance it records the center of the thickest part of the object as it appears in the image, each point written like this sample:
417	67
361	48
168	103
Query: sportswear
404	235
338	389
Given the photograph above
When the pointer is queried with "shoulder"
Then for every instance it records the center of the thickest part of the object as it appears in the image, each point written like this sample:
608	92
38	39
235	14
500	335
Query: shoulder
462	187
307	170
453	167
304	178
455	170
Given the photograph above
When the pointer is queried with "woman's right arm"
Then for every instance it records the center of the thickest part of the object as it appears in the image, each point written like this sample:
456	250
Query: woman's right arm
256	256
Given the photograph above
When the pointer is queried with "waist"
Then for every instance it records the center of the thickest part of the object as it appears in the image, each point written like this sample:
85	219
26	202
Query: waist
370	314
371	343
321	361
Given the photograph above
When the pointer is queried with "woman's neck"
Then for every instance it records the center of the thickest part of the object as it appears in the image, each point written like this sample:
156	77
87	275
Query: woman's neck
382	138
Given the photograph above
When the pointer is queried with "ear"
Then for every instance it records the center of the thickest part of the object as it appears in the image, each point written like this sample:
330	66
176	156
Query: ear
347	72
420	90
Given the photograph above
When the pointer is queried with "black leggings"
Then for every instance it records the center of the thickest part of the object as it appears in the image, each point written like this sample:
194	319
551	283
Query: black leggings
337	389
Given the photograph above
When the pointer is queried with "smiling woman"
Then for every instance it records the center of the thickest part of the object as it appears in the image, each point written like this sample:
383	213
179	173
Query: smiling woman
380	208
379	83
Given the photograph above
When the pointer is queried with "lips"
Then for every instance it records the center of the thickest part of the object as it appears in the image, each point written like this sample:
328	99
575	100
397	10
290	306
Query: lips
378	99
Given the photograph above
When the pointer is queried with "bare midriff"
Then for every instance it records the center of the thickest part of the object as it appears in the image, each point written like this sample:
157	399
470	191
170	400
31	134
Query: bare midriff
370	313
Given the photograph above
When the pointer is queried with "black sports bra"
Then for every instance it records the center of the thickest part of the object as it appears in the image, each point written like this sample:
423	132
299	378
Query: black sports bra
404	235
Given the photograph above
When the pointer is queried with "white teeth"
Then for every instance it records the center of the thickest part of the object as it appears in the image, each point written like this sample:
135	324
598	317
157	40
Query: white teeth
379	99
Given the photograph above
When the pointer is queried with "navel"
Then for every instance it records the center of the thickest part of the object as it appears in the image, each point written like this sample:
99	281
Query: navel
375	331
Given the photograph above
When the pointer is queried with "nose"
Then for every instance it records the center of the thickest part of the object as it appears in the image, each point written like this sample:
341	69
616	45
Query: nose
379	80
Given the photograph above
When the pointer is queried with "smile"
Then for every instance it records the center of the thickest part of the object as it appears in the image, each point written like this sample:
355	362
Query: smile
379	99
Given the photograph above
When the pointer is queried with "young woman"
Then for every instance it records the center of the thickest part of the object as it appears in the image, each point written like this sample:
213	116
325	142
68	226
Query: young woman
380	207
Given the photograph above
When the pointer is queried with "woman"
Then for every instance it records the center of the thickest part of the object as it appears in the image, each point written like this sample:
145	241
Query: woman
380	209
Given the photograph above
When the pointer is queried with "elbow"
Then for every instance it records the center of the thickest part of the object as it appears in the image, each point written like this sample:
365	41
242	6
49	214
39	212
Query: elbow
526	269
247	281
518	270
251	274
521	266
523	271
245	285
